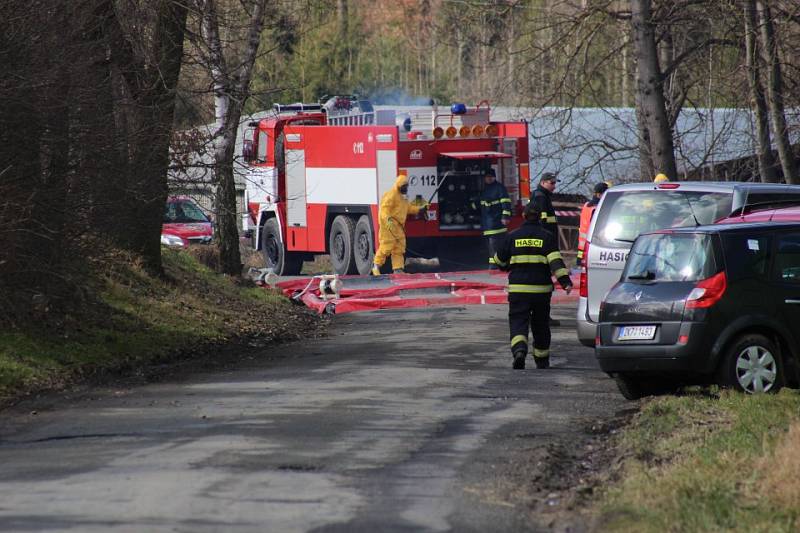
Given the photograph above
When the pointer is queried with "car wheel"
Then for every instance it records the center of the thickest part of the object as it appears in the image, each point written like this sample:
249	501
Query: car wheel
634	387
340	245
364	247
752	364
276	257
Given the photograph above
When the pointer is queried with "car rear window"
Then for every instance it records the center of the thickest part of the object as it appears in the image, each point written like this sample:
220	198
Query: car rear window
671	257
624	215
183	212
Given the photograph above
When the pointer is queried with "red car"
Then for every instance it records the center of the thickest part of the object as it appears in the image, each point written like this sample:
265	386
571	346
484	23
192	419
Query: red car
185	223
765	214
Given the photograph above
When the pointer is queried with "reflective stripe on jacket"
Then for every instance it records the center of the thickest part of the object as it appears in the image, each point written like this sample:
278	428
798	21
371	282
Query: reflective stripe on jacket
541	199
532	257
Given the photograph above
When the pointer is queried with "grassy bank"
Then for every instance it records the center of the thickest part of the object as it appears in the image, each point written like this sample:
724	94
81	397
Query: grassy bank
132	319
707	463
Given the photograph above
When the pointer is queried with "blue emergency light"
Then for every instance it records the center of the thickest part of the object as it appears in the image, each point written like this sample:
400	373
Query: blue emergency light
458	109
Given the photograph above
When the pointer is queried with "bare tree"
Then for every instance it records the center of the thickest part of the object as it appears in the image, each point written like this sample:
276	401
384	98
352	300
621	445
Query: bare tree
645	160
651	89
766	162
230	71
145	67
88	99
769	49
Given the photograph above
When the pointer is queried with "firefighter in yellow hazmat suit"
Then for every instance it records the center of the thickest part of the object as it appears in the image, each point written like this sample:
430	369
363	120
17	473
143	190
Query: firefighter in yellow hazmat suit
392	215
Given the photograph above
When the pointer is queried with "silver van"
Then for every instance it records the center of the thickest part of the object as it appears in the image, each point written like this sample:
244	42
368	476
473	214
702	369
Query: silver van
625	211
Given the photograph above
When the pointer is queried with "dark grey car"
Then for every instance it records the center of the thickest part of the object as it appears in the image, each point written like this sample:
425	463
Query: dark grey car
703	305
634	208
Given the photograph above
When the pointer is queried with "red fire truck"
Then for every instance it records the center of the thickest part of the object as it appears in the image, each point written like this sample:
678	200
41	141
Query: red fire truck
316	174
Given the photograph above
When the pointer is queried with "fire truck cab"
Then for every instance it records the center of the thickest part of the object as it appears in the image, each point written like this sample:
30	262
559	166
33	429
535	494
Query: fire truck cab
317	172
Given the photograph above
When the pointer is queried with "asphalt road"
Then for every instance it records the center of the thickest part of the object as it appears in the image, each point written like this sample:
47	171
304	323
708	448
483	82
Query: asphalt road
397	421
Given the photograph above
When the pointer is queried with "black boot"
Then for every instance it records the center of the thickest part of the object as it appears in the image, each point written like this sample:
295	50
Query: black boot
542	362
519	361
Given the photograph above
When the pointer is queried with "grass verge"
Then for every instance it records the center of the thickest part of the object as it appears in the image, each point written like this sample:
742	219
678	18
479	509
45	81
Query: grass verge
132	319
707	463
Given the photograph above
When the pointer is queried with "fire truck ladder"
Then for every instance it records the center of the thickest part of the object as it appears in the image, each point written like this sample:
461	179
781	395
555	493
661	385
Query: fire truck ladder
355	119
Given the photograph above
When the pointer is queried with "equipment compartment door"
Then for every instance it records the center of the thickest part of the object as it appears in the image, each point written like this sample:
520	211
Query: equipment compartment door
296	188
459	200
508	172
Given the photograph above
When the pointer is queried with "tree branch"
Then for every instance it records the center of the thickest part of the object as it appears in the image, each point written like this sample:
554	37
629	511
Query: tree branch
245	70
697	48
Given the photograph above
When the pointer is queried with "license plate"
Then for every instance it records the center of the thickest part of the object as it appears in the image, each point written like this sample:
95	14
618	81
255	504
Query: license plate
636	333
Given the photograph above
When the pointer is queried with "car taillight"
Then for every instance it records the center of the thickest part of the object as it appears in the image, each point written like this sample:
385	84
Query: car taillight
583	285
668	185
707	292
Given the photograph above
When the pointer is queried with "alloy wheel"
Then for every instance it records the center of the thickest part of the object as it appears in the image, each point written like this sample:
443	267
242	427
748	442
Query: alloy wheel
756	369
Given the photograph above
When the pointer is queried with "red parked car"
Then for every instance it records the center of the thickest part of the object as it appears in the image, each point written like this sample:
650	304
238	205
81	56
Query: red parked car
765	214
185	223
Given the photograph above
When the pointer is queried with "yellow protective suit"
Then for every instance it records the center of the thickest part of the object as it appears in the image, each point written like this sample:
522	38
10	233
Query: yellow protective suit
392	215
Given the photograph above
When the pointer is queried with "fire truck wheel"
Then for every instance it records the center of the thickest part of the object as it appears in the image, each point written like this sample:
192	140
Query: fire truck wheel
364	246
340	245
276	257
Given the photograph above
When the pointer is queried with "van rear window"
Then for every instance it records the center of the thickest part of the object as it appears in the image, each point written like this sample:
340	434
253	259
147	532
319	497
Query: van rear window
671	257
627	214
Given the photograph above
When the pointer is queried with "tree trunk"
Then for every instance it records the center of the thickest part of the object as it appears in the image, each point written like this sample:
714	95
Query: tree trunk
645	161
225	202
341	67
666	53
231	91
651	90
625	90
460	62
511	39
769	48
434	75
150	113
168	50
766	161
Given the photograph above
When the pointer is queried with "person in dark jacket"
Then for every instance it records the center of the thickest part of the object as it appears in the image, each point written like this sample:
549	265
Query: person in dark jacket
531	257
542	200
495	212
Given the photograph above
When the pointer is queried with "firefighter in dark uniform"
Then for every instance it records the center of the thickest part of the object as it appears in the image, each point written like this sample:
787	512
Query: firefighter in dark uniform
495	212
542	200
531	256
